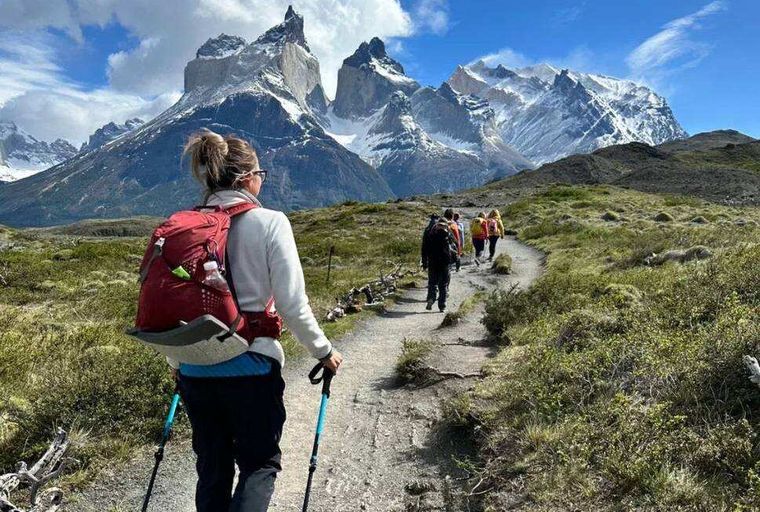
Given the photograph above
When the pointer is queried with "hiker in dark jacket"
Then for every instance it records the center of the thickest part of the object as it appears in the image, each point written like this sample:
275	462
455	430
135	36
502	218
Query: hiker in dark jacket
439	251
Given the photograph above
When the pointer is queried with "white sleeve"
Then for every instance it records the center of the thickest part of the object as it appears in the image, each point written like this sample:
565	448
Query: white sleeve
289	289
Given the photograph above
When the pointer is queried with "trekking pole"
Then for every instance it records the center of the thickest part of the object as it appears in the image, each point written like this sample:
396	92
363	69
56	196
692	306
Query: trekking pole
160	451
325	379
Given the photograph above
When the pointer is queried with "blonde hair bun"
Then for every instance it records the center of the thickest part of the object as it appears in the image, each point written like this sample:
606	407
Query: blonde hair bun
219	162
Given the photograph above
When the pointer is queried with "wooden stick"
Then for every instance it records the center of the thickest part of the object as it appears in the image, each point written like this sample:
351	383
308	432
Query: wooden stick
49	466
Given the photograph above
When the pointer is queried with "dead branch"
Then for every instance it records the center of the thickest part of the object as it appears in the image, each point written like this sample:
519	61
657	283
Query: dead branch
455	375
49	466
374	294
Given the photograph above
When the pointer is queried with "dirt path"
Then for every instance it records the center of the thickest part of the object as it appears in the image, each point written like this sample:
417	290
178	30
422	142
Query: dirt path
382	449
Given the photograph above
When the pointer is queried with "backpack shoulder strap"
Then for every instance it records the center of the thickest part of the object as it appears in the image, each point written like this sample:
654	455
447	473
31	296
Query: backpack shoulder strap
238	208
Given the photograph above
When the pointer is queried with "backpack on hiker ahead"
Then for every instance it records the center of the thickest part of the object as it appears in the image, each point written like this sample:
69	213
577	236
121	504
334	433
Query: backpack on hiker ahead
442	246
493	227
479	228
178	314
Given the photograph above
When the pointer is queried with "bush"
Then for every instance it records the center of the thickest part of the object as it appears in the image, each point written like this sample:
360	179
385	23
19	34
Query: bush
663	217
502	264
410	366
503	309
611	216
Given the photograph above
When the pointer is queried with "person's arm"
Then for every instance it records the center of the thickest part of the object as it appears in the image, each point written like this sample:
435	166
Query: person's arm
289	290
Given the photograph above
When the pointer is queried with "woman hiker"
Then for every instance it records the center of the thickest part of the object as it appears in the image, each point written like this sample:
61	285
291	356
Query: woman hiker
236	407
495	231
479	231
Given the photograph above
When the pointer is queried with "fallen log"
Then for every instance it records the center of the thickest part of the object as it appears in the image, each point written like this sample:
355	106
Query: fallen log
49	466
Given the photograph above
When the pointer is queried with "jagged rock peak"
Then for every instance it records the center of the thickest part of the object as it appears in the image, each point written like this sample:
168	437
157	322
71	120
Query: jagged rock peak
448	92
221	46
374	50
109	132
289	31
564	81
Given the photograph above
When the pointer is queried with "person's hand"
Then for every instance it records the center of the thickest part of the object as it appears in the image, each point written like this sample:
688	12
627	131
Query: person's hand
333	361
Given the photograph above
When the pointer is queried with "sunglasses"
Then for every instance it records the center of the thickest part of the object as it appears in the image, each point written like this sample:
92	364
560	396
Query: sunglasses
263	175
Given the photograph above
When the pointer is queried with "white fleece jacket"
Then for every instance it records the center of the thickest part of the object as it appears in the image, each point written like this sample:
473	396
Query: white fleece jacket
264	262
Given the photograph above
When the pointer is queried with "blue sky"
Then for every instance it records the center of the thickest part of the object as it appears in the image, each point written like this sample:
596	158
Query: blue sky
108	61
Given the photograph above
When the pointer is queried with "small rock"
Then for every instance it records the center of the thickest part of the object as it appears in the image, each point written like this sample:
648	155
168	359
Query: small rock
418	487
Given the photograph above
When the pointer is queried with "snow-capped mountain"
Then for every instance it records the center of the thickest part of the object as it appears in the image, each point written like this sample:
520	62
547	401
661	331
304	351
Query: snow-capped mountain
22	155
268	91
546	113
422	139
383	135
109	132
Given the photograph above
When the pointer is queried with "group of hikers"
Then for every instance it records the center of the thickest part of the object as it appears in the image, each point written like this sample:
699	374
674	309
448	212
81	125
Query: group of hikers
443	243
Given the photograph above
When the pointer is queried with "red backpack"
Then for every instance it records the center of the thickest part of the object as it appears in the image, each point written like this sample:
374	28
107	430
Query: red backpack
172	274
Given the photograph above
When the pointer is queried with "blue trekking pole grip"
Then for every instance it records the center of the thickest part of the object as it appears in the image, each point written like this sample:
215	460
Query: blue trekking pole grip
325	379
160	451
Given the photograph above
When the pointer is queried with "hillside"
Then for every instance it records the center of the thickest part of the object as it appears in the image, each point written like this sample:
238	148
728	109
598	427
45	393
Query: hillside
620	383
704	165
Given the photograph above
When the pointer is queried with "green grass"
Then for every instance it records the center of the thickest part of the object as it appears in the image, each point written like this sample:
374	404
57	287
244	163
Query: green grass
465	308
66	301
624	386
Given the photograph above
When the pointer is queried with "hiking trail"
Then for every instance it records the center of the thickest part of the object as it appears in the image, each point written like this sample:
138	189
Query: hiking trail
383	448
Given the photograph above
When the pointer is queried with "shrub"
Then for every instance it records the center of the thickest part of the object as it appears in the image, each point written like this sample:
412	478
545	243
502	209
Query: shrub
663	217
505	308
502	264
410	366
611	216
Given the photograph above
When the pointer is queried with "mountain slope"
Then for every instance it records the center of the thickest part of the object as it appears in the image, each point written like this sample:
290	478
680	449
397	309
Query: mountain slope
546	113
728	174
22	155
266	92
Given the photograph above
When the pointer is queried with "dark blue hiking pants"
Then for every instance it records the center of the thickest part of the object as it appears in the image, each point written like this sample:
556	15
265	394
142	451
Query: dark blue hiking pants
438	284
235	420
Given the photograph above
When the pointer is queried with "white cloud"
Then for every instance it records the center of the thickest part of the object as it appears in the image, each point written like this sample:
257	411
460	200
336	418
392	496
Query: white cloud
432	15
580	58
142	79
35	94
672	48
507	57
